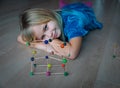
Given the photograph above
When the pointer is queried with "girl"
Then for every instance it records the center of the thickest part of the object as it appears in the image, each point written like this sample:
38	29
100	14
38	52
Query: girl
67	26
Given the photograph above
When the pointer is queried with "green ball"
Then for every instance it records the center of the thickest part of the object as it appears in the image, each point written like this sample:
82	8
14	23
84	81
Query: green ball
27	43
31	73
64	60
35	65
50	40
66	73
114	56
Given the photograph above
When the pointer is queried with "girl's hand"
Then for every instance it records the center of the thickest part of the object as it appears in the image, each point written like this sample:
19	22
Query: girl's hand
70	50
62	51
40	45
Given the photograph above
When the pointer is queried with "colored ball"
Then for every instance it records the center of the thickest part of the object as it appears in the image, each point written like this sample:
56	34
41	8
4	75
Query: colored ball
48	73
63	65
50	40
66	73
27	44
62	45
34	52
49	65
114	56
31	73
46	41
35	65
32	58
46	57
64	60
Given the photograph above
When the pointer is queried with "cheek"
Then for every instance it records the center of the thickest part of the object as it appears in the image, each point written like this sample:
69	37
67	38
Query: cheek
51	28
37	34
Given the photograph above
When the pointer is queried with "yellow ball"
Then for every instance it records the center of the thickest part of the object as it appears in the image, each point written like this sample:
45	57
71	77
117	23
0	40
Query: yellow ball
49	65
34	52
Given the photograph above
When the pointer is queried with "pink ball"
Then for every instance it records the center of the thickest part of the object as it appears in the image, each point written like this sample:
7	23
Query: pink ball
48	73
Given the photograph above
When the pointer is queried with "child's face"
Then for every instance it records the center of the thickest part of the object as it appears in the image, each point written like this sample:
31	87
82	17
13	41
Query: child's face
49	30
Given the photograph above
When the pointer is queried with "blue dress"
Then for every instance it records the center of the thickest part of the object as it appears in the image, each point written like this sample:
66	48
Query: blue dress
78	20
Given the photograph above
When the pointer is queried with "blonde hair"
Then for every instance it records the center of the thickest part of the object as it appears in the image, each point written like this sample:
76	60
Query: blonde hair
36	16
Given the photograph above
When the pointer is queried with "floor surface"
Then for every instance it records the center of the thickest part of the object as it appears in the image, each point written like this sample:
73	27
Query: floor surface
95	67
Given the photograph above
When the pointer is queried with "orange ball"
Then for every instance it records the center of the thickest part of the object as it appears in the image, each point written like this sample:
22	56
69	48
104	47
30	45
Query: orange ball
62	45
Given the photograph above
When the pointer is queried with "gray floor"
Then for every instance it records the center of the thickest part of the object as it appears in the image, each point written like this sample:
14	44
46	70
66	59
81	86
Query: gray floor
94	68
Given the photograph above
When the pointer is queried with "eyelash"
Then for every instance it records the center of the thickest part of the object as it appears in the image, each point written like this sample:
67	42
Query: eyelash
45	28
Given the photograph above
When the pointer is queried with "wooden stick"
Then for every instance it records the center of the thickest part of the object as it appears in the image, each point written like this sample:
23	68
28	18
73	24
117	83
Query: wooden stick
47	64
39	58
57	73
40	73
55	58
31	66
37	73
42	65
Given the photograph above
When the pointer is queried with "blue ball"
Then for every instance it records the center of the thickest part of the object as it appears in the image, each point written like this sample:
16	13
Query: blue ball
46	41
32	58
46	57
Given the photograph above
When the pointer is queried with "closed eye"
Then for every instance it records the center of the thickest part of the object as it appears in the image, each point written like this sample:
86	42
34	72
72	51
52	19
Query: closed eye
45	27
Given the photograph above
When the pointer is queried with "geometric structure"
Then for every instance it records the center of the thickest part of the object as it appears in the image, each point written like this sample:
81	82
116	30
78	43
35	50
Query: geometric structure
48	66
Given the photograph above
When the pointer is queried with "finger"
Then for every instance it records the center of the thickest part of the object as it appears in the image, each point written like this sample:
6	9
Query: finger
37	41
56	53
51	53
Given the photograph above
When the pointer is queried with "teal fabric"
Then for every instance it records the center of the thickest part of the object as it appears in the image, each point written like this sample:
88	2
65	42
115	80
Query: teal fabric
78	20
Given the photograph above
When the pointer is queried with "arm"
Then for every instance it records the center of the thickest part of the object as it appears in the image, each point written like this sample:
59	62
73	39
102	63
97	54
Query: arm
38	45
72	48
20	40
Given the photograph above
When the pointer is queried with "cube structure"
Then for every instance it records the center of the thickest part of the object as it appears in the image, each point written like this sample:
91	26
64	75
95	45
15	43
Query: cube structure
48	65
